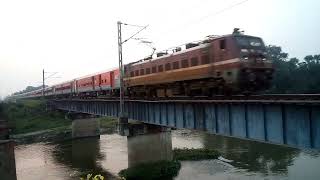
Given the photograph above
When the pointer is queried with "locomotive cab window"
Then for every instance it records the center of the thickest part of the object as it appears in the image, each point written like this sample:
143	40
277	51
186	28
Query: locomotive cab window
160	68
222	44
136	73
194	61
132	74
168	67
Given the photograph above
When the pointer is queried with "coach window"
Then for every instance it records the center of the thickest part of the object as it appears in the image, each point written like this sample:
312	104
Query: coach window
175	65
184	63
141	72
148	71
160	68
194	61
168	67
154	69
223	44
136	73
205	59
132	74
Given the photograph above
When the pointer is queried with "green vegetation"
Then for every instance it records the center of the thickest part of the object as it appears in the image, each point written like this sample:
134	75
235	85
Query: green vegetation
294	75
31	115
195	154
160	170
93	177
108	125
1	110
167	169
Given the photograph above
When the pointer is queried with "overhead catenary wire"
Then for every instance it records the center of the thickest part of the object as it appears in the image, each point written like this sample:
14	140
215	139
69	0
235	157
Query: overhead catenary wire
200	19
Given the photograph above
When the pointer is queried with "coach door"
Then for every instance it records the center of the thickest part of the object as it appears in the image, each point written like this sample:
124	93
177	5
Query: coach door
112	79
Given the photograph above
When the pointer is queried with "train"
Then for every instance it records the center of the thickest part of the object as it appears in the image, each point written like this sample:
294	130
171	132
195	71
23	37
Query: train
217	65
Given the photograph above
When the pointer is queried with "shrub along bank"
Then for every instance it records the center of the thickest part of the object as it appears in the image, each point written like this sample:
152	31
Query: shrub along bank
166	170
27	116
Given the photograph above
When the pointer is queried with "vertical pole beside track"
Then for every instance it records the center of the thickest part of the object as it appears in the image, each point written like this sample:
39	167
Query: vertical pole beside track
120	69
123	119
123	116
42	83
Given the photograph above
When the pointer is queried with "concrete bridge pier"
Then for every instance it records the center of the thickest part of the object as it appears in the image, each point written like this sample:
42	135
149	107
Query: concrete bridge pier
84	125
123	126
148	143
7	160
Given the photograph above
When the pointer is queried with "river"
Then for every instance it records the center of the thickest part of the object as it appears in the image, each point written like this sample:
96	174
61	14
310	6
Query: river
109	154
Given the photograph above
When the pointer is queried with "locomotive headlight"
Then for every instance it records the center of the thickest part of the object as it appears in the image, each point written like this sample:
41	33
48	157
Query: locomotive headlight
245	57
244	50
264	59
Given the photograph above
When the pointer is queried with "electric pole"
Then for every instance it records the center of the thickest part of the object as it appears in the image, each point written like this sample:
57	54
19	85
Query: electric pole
123	119
44	78
43	83
120	70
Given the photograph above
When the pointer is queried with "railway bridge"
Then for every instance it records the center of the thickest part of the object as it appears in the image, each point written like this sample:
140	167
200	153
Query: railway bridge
285	121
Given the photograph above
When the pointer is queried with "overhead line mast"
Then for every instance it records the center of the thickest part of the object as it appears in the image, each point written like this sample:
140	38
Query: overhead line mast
123	119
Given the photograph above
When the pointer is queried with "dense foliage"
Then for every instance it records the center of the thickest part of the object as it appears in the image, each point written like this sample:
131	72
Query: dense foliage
31	115
293	75
195	154
29	89
160	170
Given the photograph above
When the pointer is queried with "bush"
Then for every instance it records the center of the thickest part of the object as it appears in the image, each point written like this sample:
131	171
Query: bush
160	170
195	154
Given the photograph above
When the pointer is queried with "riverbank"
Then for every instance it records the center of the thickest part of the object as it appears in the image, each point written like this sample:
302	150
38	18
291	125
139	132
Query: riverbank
107	126
26	116
29	121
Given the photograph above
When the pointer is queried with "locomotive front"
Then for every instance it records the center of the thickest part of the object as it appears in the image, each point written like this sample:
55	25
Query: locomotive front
256	69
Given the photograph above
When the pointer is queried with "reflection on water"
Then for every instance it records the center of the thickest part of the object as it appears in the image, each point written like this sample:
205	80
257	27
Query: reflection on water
253	156
149	148
253	160
109	154
81	156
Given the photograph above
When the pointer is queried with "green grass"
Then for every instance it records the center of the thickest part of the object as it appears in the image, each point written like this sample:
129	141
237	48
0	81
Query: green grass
107	122
30	115
160	170
195	154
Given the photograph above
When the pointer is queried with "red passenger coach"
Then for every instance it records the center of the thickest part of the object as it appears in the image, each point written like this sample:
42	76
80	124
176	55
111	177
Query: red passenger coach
85	84
96	82
115	79
64	88
105	81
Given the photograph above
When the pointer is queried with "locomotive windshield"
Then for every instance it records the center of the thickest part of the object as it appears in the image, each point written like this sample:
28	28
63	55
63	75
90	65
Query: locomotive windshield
249	42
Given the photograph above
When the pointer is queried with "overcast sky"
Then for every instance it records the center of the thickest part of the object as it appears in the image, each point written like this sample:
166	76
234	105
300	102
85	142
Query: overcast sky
77	37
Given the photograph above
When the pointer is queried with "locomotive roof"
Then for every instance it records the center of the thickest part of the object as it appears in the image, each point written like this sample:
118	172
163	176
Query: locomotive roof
202	44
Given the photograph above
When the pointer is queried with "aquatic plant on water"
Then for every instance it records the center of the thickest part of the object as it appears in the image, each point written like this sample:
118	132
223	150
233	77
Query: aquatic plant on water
160	170
195	154
91	177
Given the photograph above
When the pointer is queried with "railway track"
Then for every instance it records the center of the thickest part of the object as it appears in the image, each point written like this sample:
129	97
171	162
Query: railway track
264	98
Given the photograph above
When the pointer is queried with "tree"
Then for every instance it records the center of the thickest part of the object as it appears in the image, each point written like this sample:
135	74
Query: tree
293	75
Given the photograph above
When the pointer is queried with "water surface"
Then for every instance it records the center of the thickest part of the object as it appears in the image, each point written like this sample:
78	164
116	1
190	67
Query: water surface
109	154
